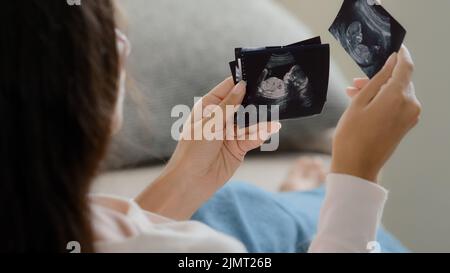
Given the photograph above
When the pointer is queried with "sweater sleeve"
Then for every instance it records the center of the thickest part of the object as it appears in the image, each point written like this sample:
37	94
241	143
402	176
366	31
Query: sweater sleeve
350	215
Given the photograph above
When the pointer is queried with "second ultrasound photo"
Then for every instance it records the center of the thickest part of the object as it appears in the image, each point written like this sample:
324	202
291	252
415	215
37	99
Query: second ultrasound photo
368	33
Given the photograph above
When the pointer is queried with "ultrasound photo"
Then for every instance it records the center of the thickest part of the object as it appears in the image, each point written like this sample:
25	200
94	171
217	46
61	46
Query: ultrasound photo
294	77
283	81
368	33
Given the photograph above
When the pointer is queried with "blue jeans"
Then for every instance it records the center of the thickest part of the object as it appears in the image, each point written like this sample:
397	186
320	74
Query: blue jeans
272	222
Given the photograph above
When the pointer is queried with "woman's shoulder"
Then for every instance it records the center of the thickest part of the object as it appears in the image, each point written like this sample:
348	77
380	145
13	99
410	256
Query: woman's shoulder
120	225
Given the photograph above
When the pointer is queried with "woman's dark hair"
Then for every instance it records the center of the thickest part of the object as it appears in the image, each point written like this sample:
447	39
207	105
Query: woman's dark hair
59	70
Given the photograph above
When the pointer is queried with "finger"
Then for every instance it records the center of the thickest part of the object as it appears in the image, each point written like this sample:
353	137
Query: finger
255	129
218	93
222	90
352	91
405	67
228	106
411	91
257	137
360	83
213	97
373	87
252	140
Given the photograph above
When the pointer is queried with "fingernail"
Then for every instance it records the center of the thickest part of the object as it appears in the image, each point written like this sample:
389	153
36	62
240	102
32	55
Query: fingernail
240	87
278	126
359	79
275	128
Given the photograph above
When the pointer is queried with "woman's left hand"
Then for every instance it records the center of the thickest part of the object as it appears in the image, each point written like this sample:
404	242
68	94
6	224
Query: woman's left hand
200	167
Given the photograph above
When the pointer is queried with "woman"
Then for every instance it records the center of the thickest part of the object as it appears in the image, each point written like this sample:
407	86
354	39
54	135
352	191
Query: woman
61	90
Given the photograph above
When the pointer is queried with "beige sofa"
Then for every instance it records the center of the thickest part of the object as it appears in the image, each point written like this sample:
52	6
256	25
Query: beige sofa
266	172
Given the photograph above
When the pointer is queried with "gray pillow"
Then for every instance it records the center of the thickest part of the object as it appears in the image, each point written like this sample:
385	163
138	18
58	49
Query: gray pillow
181	50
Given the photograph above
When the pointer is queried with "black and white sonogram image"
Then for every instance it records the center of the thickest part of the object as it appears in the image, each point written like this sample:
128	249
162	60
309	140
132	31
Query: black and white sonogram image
293	78
282	82
368	33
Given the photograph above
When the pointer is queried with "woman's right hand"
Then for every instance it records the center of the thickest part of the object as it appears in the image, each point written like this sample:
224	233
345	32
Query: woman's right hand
382	111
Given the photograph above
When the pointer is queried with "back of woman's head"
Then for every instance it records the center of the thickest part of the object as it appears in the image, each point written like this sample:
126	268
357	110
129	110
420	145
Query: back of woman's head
58	89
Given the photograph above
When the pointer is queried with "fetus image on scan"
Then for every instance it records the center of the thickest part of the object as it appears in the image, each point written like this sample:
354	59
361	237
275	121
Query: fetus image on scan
365	34
283	83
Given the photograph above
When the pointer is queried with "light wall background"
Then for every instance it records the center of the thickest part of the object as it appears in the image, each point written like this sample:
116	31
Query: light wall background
418	175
